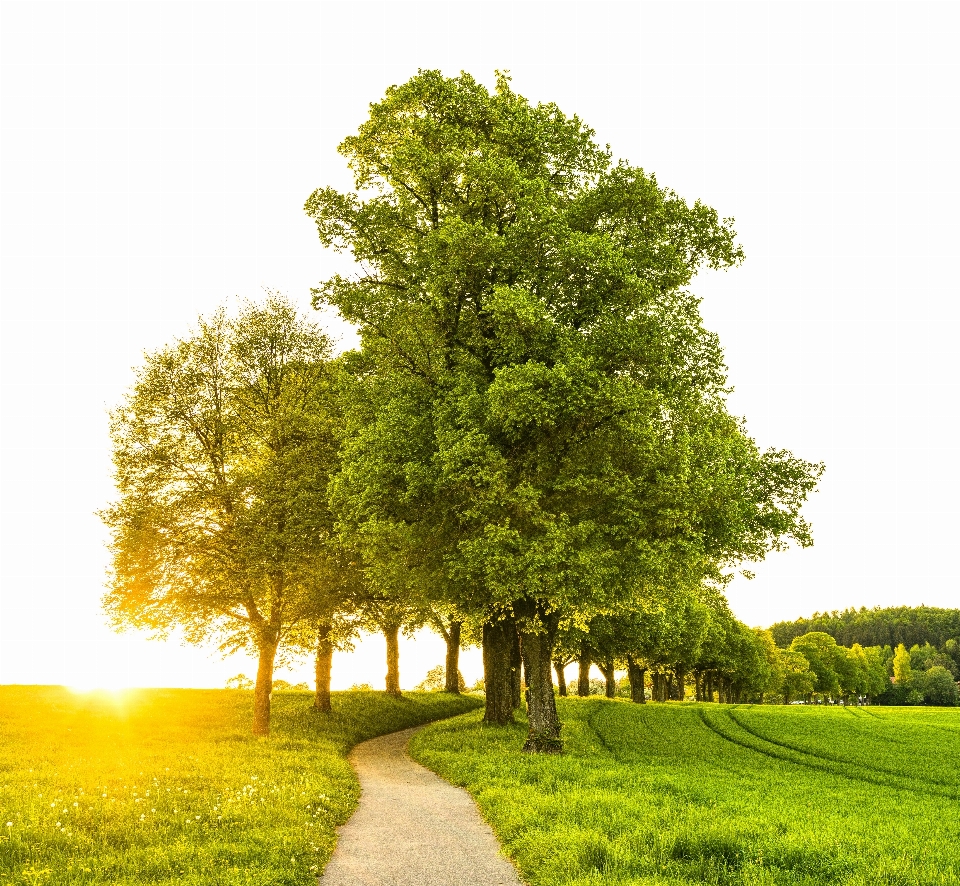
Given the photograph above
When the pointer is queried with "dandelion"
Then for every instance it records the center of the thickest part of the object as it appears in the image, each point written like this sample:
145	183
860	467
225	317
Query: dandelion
10	824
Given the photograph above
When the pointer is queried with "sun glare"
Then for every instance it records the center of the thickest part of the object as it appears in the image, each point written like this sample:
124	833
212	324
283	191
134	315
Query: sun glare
100	683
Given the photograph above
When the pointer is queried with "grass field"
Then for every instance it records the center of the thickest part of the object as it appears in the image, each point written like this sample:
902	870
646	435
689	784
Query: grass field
168	786
717	794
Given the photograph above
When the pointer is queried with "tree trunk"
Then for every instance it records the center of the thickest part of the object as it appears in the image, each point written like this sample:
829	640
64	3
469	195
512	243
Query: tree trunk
583	677
324	664
559	667
392	634
263	689
635	675
543	736
516	663
498	679
610	679
669	692
681	683
452	681
709	688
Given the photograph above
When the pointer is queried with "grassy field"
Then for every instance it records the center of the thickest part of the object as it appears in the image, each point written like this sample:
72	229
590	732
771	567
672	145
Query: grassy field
167	786
717	794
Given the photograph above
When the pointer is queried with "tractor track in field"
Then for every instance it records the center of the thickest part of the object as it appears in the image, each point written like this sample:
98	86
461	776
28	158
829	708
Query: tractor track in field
838	760
953	730
820	764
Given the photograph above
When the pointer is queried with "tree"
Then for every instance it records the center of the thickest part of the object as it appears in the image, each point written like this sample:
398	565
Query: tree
798	679
773	674
550	431
223	451
449	625
824	655
938	687
436	681
902	671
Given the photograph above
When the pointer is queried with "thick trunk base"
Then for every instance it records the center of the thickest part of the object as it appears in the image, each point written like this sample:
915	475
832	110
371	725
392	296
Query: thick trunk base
583	675
559	668
501	683
635	674
543	736
263	690
322	670
392	635
609	678
452	665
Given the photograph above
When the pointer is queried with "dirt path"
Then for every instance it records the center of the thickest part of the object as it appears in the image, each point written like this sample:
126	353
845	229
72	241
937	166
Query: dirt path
412	828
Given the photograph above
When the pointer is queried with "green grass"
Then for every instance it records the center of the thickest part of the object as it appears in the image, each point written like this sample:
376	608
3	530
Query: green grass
168	786
717	794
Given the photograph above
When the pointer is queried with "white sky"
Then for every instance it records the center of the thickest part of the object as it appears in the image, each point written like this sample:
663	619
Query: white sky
155	157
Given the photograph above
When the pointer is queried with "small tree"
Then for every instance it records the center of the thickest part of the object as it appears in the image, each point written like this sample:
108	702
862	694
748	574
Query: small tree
436	681
823	654
798	679
902	672
939	688
223	452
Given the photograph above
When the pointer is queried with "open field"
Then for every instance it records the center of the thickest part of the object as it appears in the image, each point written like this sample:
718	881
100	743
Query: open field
718	794
168	786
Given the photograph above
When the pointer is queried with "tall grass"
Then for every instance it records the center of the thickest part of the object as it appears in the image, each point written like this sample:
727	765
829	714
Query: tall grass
713	794
168	786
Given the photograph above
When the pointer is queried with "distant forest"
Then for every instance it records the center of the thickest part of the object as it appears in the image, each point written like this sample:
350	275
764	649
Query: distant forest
909	625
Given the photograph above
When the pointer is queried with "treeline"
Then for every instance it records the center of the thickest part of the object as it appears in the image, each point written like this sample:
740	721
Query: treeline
531	446
720	659
891	626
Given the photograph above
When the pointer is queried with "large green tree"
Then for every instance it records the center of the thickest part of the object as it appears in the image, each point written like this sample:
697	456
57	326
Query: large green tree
223	451
546	426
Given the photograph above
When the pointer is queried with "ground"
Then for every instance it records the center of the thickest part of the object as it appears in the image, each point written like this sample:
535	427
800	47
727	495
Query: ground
168	786
717	794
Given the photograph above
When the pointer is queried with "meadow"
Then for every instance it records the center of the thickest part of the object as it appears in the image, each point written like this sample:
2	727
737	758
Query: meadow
168	786
678	794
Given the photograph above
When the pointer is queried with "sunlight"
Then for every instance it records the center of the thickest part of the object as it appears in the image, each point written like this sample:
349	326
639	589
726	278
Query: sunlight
113	683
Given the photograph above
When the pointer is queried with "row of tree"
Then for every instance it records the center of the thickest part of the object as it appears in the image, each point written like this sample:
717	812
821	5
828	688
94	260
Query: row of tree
726	661
530	447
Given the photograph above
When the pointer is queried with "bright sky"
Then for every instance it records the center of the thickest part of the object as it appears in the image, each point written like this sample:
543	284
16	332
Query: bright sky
155	157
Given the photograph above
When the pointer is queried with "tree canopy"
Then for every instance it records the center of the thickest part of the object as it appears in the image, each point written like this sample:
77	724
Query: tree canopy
223	450
544	430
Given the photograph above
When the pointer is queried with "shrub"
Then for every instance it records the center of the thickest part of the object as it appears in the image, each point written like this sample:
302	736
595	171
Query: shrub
436	679
283	684
938	687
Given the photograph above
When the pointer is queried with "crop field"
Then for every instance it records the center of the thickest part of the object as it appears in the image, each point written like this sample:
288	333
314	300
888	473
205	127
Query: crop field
168	786
718	794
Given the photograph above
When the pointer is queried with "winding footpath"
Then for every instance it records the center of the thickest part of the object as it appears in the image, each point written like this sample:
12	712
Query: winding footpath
412	828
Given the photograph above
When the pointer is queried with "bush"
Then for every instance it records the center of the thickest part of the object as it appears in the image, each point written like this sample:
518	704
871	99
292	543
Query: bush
283	684
436	679
241	681
938	687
